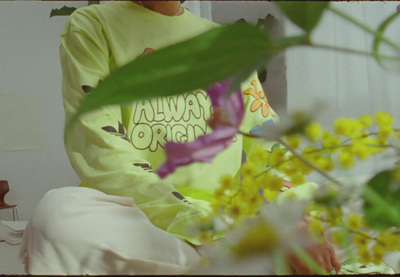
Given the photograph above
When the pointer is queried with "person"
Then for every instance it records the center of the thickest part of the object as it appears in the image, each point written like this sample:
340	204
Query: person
124	219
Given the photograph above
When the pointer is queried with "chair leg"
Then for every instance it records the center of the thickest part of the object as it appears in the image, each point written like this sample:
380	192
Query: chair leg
15	214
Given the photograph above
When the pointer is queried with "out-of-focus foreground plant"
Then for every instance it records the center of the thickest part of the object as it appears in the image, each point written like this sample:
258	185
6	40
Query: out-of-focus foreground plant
300	149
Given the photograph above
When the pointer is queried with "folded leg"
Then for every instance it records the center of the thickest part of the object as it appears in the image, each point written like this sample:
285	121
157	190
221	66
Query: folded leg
76	230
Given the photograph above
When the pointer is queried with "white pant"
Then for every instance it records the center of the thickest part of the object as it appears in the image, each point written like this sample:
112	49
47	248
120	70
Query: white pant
76	230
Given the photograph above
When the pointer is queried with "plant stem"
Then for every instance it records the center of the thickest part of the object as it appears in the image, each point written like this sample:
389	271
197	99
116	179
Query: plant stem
349	50
346	228
364	27
301	158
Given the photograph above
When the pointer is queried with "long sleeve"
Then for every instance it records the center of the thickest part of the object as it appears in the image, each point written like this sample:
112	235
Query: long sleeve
98	147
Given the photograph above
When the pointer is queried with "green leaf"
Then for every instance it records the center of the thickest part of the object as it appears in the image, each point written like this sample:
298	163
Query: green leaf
62	11
378	37
381	201
277	46
305	14
274	147
196	63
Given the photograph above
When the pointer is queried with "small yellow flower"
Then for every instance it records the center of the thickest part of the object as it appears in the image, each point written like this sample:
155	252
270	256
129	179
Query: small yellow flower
346	159
248	170
379	251
268	181
312	131
300	166
324	163
219	193
383	119
226	181
258	156
277	157
235	208
364	254
270	194
216	207
354	222
297	179
329	140
334	215
316	229
253	204
360	150
361	239
383	134
347	127
294	141
338	236
390	241
365	120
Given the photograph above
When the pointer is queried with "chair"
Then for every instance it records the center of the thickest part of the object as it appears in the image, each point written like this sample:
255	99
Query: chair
4	188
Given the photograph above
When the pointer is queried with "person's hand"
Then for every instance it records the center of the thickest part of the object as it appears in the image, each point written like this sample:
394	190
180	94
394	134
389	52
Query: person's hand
322	253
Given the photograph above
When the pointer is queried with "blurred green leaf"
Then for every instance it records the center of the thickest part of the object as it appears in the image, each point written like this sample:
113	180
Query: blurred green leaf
378	38
305	14
62	11
381	201
232	50
277	46
275	147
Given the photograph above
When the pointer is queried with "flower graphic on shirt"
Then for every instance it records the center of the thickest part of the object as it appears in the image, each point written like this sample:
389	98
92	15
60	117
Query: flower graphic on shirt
260	101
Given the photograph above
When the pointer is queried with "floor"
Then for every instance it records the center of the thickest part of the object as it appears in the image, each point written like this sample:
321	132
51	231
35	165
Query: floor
9	263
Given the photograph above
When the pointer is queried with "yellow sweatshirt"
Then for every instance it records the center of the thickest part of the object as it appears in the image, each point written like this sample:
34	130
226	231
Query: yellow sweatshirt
115	149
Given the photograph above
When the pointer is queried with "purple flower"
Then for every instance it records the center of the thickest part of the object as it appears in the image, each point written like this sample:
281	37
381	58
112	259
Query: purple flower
228	115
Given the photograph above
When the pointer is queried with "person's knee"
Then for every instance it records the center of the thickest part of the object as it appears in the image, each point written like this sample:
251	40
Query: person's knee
52	207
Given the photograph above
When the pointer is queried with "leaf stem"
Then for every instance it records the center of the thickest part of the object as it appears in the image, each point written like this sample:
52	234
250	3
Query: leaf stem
365	27
349	50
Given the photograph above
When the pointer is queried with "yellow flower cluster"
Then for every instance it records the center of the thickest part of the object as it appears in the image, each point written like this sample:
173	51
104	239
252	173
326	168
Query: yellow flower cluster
347	127
351	140
260	180
242	198
372	249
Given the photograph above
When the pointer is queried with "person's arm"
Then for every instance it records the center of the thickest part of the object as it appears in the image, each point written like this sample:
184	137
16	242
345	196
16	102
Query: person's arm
322	252
97	145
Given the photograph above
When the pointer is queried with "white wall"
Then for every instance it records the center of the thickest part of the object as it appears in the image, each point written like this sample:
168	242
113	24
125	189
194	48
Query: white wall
341	84
29	64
